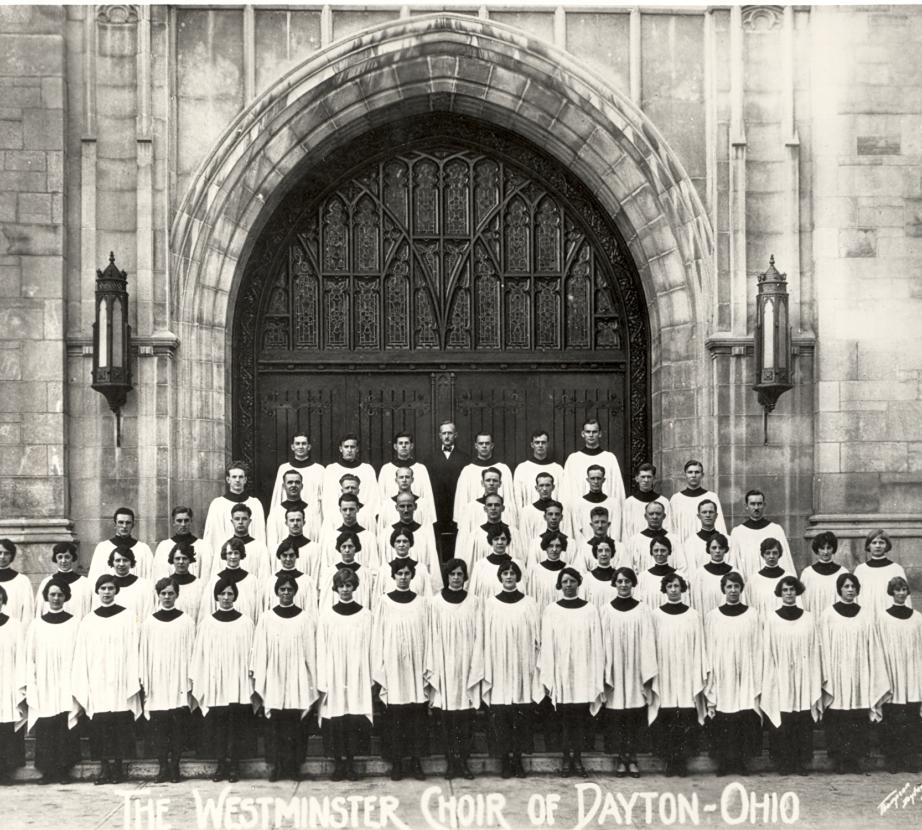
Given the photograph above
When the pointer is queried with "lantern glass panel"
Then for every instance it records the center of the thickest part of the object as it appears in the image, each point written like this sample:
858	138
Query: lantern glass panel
782	333
117	345
768	329
102	347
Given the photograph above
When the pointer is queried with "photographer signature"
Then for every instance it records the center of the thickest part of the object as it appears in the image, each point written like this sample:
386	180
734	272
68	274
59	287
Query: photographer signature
902	797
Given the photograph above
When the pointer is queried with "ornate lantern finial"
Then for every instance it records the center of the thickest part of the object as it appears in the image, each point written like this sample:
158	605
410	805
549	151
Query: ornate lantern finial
772	340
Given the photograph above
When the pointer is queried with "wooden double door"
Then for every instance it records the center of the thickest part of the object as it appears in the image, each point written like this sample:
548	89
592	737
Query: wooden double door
434	270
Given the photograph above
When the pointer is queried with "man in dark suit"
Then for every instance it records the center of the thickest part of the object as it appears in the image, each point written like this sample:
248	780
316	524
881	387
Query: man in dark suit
444	467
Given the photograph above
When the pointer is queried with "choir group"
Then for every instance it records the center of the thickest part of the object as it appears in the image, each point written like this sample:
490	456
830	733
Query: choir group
562	603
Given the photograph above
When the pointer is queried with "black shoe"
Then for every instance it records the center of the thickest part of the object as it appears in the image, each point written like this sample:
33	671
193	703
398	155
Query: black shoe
175	777
464	770
507	767
273	772
576	765
116	774
566	768
451	767
163	773
396	771
681	768
64	777
416	769
621	768
517	769
103	777
339	770
233	772
352	773
633	769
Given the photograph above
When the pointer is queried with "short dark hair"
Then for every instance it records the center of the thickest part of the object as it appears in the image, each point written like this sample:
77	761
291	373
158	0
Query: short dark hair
123	551
454	564
65	588
896	582
184	548
403	434
827	537
237	464
646	467
160	584
568	571
550	537
511	565
105	579
348	536
344	575
181	509
284	579
395	534
240	507
122	511
675	575
397	563
732	576
625	571
750	493
63	547
770	543
538	433
841	579
789	579
665	541
692	462
234	544
223	584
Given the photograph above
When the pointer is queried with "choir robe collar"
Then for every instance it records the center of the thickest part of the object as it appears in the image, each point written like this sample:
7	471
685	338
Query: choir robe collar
603	574
236	498
496	559
286	612
245	539
403	597
790	612
183	579
541	462
718	568
772	573
596	451
351	566
125	581
646	498
167	616
901	612
294	504
300	465
106	611
825	568
756	524
349	465
123	541
491	462
298	541
881	562
56	617
595	498
486	527
347	609
356	528
227	616
184	538
557	565
510	596
706	535
233	575
847	609
653	534
454	597
624	603
65	577
673	608
661	570
733	610
411	526
542	504
294	573
576	602
3	619
693	492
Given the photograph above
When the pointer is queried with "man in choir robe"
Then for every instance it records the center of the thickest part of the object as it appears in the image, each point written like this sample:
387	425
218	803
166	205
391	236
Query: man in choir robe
696	545
405	481
124	525
424	546
553	525
472	543
311	471
638	545
470	481
632	517
444	467
580	553
64	556
523	480
348	510
349	463
167	637
276	527
684	504
577	465
219	526
471	514
597	495
746	538
531	520
105	679
182	534
404	447
258	562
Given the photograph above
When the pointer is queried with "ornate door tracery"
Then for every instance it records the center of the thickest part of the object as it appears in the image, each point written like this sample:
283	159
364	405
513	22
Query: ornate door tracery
459	251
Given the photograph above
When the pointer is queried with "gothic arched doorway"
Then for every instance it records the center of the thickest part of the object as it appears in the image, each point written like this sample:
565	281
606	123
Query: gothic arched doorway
430	269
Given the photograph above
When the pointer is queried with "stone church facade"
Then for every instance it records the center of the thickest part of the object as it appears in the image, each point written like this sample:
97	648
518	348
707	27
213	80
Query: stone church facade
336	217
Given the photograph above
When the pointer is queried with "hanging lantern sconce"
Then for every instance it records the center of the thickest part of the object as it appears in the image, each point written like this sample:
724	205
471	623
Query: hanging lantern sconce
773	350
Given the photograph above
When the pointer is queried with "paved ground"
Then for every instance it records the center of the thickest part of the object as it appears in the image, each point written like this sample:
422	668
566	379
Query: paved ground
821	800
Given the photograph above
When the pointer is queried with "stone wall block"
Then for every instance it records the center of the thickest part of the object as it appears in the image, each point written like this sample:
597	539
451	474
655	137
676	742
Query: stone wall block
21	322
857	242
10	134
42	276
43	129
42	359
30	239
875	456
34	207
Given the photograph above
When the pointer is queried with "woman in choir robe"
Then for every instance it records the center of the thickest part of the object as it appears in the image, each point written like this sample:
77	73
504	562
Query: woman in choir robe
598	587
855	682
706	594
650	581
105	679
283	665
398	651
344	673
760	591
875	574
677	704
50	645
900	631
511	682
135	594
12	690
348	546
20	600
180	559
402	548
167	638
791	679
454	664
247	600
483	573
630	666
64	557
541	578
819	579
221	684
286	555
571	665
732	649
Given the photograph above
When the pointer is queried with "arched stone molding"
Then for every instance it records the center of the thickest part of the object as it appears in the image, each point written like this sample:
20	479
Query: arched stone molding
439	63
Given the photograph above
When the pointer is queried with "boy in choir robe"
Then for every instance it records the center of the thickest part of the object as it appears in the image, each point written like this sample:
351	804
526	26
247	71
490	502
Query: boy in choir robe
638	546
403	458
19	599
553	525
136	595
473	544
577	465
12	689
760	592
348	508
582	507
571	665
344	674
483	574
221	683
200	567
696	545
471	514
50	645
598	587
855	681
277	527
684	505
630	666
105	679
311	471
283	665
541	578
167	638
398	650
305	597
246	594
650	581
124	521
900	633
523	479
256	554
532	520
511	681
470	482
633	519
677	703
732	648
348	548
219	526
706	591
349	463
454	664
875	574
181	559
425	548
80	593
791	695
746	538
819	579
